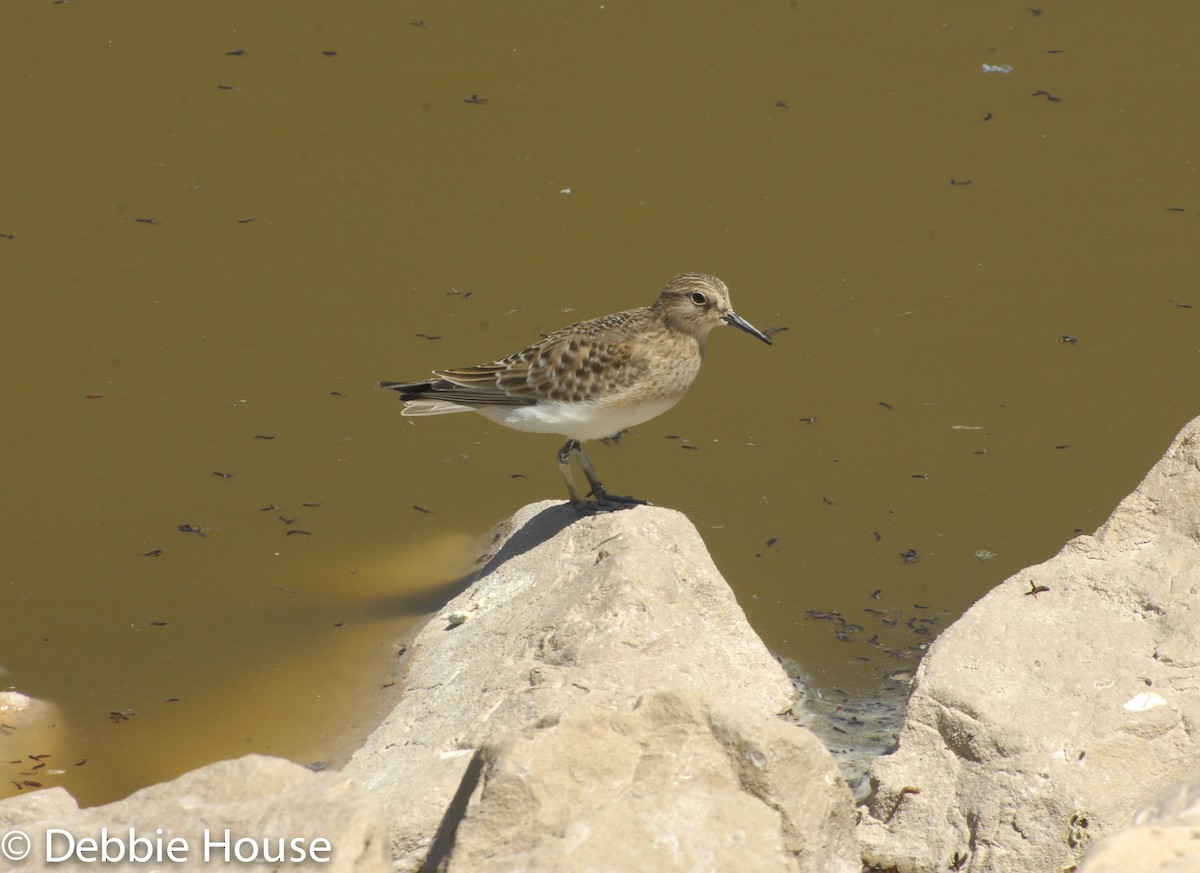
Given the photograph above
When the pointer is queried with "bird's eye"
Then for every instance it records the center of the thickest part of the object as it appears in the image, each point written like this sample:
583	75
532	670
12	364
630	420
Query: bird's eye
698	298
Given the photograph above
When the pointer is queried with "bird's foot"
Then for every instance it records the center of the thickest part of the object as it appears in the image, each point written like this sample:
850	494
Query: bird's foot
602	502
608	504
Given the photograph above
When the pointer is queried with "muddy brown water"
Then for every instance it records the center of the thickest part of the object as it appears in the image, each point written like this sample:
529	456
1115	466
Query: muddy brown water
222	224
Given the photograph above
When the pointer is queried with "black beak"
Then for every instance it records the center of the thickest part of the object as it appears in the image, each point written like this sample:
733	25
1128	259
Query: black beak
737	321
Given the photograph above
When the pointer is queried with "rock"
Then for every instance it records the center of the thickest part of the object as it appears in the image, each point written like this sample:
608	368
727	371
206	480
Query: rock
570	629
595	700
253	798
1164	838
27	809
1060	702
677	783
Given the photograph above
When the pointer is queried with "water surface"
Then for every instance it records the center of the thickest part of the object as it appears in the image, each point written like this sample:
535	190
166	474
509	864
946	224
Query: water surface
223	223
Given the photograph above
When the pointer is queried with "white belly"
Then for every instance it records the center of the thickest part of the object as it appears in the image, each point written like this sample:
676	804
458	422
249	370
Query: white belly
577	421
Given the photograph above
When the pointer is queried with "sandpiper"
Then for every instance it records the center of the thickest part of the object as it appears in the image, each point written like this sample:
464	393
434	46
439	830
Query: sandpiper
592	379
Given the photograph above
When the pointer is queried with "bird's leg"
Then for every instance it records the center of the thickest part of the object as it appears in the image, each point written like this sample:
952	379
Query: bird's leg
603	501
564	464
585	464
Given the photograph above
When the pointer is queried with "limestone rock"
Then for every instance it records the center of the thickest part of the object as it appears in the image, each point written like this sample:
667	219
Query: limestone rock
1164	837
1060	702
674	784
255	797
573	615
594	701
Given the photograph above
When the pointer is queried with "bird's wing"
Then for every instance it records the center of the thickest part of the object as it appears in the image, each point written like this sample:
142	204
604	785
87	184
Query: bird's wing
563	367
